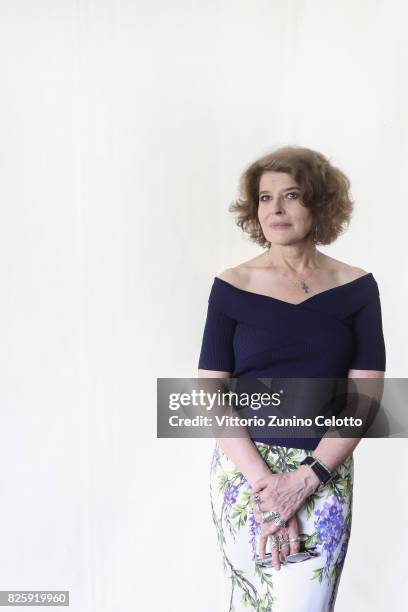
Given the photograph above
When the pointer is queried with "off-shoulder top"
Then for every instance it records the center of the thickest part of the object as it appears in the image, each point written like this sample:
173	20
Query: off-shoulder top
253	335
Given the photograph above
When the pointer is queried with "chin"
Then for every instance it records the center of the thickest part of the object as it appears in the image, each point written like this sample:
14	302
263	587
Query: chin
281	240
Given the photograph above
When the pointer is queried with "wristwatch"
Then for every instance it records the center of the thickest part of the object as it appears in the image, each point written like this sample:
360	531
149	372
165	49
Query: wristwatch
321	471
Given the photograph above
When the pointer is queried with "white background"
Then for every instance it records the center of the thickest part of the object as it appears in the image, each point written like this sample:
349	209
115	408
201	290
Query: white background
124	128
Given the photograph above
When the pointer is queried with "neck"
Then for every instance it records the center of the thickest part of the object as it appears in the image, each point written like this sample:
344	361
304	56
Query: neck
297	258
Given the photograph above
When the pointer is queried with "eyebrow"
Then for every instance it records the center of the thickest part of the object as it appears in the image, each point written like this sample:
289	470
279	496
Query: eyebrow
287	189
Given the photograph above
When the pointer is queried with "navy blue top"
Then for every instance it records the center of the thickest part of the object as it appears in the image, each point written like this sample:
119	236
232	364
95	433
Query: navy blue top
252	335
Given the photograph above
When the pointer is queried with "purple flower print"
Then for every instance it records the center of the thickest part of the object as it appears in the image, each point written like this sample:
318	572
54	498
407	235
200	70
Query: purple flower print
230	495
330	527
254	530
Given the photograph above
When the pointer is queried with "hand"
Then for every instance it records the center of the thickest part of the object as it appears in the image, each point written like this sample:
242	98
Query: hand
284	493
290	531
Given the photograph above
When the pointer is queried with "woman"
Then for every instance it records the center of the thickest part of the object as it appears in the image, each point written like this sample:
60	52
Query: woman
289	312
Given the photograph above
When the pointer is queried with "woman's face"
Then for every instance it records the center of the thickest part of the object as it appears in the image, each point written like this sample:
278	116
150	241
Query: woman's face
283	217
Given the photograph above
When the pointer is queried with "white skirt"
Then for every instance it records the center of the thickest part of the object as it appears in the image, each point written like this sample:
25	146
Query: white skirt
324	522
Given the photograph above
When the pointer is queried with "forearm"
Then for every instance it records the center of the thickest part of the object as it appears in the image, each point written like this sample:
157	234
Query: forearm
333	451
243	453
368	388
241	450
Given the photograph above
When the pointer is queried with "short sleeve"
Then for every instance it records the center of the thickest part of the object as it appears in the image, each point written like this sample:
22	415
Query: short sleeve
217	351
369	353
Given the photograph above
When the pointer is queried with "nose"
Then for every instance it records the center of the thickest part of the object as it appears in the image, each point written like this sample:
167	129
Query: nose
277	205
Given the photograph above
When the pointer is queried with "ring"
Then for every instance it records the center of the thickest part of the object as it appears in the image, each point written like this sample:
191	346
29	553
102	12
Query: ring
269	515
279	521
272	515
274	541
295	539
283	541
257	499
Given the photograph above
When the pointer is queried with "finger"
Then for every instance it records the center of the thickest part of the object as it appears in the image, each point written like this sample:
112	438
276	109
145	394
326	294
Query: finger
275	553
259	485
285	546
254	498
257	515
262	545
293	530
269	528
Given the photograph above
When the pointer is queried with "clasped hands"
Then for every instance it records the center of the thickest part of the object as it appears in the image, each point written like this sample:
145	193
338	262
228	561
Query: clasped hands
284	493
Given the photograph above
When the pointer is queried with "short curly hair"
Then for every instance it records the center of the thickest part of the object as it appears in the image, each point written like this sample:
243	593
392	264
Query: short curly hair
325	191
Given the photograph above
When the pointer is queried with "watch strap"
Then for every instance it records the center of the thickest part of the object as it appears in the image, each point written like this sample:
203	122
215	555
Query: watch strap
323	474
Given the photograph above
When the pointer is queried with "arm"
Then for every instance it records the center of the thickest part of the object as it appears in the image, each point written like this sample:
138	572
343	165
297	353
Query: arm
241	451
368	362
332	452
217	361
287	492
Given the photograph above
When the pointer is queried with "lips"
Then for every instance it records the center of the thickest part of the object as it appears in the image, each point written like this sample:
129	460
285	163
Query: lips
279	225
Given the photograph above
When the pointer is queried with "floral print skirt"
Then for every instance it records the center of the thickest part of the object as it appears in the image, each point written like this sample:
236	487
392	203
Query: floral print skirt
324	523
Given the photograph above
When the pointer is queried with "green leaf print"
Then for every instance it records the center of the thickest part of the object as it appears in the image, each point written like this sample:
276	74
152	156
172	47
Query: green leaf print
318	573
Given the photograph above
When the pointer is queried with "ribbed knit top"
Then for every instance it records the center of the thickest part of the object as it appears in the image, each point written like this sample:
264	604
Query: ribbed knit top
252	335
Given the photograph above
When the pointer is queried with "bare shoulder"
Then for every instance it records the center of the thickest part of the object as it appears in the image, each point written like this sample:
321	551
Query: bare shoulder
345	272
240	275
351	273
236	276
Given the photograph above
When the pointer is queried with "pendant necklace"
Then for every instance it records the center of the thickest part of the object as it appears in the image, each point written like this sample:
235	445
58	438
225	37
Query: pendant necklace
304	286
302	282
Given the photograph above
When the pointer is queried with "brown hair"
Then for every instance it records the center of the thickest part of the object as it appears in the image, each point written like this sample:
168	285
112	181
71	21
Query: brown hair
325	191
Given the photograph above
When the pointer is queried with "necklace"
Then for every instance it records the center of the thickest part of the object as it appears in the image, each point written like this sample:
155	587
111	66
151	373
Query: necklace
304	285
302	282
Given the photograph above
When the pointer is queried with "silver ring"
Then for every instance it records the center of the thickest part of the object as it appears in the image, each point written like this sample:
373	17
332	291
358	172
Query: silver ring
279	521
269	515
257	500
284	538
274	541
295	539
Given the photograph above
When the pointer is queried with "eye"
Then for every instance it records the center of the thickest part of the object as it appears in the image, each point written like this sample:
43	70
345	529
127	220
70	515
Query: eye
263	196
293	193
